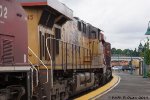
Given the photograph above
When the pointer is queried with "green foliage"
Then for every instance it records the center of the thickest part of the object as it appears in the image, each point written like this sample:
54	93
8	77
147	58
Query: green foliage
147	56
125	52
148	73
119	51
141	54
113	50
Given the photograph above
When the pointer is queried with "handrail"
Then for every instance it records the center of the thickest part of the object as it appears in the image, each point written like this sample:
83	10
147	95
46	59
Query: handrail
42	64
50	55
32	80
66	42
93	48
52	81
37	78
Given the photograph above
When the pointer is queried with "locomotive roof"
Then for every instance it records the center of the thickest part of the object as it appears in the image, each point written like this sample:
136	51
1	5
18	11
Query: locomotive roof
55	4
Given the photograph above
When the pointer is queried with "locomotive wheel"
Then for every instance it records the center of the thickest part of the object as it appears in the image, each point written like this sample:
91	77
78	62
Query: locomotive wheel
53	97
62	96
103	79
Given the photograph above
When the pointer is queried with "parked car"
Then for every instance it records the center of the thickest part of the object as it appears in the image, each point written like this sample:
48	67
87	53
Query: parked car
117	68
128	68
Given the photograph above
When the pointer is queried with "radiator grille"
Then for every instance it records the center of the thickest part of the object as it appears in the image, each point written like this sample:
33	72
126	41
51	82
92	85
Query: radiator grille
7	57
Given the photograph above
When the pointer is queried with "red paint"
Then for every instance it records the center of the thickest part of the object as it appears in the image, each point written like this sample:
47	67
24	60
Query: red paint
13	27
34	3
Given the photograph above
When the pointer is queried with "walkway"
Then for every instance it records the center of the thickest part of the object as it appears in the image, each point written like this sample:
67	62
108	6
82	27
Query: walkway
131	87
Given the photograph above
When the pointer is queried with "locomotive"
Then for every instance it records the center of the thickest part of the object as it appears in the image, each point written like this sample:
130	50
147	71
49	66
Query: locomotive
47	54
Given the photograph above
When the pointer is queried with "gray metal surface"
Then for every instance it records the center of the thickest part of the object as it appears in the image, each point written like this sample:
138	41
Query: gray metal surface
14	68
55	4
114	58
131	87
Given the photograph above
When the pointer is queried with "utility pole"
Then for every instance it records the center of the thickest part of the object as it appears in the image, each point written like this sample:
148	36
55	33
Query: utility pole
131	63
118	59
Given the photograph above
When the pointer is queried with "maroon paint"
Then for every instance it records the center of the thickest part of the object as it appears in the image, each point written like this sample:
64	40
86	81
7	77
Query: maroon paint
14	27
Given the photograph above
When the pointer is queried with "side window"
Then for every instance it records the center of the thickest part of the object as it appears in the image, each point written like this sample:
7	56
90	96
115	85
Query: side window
48	45
93	35
84	28
57	36
79	26
43	47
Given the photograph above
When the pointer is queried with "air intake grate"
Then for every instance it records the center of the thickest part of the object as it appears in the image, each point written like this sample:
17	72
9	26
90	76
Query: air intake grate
8	57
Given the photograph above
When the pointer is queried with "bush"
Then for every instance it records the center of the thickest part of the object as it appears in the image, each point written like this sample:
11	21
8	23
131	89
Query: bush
147	56
148	73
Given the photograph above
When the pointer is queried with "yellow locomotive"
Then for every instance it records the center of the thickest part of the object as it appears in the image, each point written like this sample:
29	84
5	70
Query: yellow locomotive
68	55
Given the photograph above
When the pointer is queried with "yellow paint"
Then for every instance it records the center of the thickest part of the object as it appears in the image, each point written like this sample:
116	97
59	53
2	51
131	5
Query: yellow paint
33	19
135	63
69	34
60	67
100	90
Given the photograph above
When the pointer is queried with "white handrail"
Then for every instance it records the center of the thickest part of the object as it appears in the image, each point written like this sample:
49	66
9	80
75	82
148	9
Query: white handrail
52	81
37	76
66	42
41	62
32	80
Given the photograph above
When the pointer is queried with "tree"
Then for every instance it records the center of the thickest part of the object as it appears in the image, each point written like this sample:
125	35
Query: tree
119	51
113	50
125	52
147	56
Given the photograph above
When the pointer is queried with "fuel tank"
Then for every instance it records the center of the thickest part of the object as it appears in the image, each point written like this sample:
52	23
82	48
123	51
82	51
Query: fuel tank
13	33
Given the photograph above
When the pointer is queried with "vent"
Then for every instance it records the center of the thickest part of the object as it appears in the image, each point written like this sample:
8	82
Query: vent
47	19
7	57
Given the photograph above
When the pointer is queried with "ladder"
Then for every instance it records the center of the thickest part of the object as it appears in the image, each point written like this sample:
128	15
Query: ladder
47	78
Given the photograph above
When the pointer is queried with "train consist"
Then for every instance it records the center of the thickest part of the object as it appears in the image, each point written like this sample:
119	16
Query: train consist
47	54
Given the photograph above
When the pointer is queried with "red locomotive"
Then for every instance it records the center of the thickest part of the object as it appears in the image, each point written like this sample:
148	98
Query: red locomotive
14	71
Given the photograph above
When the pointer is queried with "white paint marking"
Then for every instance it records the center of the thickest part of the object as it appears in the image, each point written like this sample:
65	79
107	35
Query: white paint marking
3	11
25	58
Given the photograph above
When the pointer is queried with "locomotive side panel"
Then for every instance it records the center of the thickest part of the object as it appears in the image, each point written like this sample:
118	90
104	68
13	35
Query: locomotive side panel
33	41
13	29
79	54
15	73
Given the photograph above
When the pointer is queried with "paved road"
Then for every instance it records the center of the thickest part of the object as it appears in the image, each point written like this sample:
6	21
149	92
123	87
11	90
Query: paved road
131	87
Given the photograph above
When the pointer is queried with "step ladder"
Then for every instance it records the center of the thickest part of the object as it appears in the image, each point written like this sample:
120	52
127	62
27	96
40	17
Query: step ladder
47	74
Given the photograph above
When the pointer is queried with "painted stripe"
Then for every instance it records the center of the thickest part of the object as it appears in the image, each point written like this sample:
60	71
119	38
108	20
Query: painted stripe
34	3
99	95
102	90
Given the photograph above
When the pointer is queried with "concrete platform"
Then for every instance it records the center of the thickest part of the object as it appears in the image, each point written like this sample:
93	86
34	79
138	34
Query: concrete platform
131	87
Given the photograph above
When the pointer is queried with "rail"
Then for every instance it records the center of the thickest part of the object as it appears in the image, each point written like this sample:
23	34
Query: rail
52	81
42	64
37	79
37	75
66	54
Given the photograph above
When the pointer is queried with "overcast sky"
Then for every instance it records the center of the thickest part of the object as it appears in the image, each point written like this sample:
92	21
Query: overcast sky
124	21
